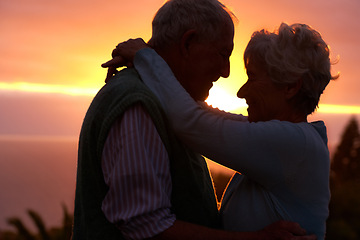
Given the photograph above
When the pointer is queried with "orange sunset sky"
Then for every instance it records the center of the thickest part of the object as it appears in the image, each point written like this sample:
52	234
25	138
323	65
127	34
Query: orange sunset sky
51	52
50	57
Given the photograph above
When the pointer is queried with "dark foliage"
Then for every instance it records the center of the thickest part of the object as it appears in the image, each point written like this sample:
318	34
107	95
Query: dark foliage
23	233
344	220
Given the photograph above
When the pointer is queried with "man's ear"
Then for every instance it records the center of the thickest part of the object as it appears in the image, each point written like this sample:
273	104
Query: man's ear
292	89
187	39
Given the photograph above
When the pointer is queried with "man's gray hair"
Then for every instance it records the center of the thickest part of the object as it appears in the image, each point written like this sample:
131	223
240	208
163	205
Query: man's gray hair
176	17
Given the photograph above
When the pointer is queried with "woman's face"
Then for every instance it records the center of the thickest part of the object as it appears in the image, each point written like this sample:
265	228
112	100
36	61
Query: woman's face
265	100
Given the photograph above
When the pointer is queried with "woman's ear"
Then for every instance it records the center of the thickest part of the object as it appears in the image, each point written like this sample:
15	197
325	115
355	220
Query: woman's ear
187	39
292	89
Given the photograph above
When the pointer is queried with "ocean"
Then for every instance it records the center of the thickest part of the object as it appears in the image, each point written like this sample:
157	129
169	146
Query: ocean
36	173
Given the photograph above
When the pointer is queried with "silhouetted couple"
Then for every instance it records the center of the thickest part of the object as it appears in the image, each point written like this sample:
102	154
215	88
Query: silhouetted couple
140	172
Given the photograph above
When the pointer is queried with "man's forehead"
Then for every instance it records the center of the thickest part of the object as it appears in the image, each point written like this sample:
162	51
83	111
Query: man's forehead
226	40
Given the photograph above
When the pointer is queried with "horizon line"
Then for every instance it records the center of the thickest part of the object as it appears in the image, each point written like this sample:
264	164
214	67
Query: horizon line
238	105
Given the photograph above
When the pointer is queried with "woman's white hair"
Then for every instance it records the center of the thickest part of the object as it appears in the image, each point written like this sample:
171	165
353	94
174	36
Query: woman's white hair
291	54
176	17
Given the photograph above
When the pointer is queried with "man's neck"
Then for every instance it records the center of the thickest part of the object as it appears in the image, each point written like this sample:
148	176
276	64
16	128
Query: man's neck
173	58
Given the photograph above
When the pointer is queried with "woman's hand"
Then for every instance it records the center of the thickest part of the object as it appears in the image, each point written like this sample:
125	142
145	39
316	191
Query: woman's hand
285	230
123	55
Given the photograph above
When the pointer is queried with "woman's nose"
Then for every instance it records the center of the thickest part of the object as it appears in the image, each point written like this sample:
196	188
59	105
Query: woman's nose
242	91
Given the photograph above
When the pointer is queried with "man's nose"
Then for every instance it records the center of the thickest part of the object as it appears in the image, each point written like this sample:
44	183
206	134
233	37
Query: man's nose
225	71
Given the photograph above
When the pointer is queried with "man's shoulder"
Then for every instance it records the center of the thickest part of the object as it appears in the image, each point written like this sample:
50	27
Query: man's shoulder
127	74
123	90
124	84
127	77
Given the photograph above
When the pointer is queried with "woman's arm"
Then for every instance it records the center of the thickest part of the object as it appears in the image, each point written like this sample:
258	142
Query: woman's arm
250	148
224	114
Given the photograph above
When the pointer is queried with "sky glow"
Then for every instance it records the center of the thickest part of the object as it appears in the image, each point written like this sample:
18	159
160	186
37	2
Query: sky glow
219	98
56	48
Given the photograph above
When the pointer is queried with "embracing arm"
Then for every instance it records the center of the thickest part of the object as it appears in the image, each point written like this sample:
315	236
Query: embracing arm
222	113
237	144
220	139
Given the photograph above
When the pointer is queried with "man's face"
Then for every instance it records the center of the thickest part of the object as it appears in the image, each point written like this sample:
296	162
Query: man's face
264	98
207	62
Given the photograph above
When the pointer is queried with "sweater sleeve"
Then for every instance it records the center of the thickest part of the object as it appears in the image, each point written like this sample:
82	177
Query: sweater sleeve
239	145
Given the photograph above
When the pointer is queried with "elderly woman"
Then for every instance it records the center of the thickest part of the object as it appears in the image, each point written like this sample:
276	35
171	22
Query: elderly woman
281	159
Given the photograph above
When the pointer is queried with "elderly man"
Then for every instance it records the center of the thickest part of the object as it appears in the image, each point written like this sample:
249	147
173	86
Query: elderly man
135	180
